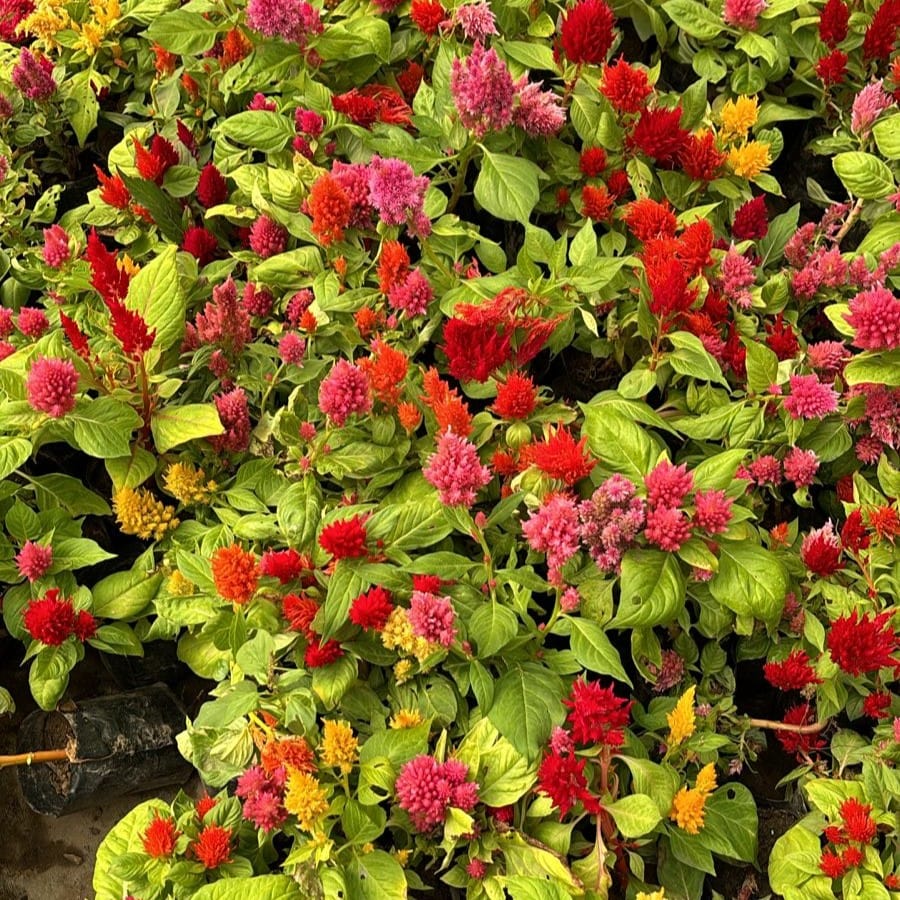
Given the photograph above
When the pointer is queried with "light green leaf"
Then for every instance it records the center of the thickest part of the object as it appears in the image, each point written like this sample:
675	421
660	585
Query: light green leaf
175	425
117	638
507	186
13	452
56	490
594	650
621	445
635	815
863	174
183	32
492	626
156	293
653	590
258	128
375	876
878	368
48	676
694	18
527	704
299	511
76	553
731	823
131	471
691	358
887	136
125	595
103	427
260	887
750	581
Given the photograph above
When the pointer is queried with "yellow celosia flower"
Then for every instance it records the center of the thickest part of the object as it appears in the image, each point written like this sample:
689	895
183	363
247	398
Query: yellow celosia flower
402	671
178	586
738	117
339	747
750	159
187	484
141	514
688	809
90	38
406	718
402	856
127	264
681	720
368	847
706	779
398	635
106	12
45	22
306	799
656	895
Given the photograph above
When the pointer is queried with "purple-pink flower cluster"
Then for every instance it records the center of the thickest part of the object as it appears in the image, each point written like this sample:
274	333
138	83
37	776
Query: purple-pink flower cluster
426	789
343	392
433	618
554	529
611	521
456	471
263	797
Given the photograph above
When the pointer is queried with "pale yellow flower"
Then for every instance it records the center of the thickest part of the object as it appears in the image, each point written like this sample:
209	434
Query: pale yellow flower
656	895
706	779
681	720
339	747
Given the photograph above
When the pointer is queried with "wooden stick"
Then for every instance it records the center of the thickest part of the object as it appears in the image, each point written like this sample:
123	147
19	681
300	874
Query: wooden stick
37	756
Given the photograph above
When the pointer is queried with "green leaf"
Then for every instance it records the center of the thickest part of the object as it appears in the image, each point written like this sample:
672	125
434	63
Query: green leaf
503	774
299	511
887	136
165	210
750	581
13	452
258	128
794	866
692	358
156	293
117	638
493	626
583	249
125	595
758	47
694	18
103	427
621	445
48	676
879	368
131	471
76	553
375	876
55	490
259	887
527	704
80	104
731	823
717	472
652	590
594	650
344	586
507	186
183	32
532	887
175	425
762	366
863	174
410	524
655	780
363	36
635	815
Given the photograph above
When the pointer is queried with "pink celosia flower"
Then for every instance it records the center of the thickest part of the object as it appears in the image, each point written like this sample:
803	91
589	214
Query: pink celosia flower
433	618
398	194
412	295
737	274
561	741
537	112
827	357
343	392
298	305
426	789
7	325
51	386
456	471
670	673
308	121
569	600
267	237
713	511
765	470
667	485
810	398
743	13
821	551
56	246
800	466
261	103
554	529
292	20
291	349
667	528
265	810
875	314
353	179
33	560
224	322
483	91
235	417
33	76
610	521
868	105
476	20
32	322
883	413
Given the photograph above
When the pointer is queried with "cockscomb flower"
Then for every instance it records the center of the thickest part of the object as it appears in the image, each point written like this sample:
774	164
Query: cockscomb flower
291	20
306	799
592	161
854	536
476	20
561	778
235	417
668	528
267	237
751	220
56	247
647	218
682	719
139	513
51	386
875	316
833	22
154	161
235	573
700	158
211	187
586	33
33	76
554	529
285	565
372	609
743	13
689	804
432	617
596	714
50	619
793	673
611	521
212	847
560	456
832	68
877	705
868	105
32	322
426	789
738	116
456	471
625	86
329	206
749	159
33	560
668	485
291	349
224	321
483	91
810	398
339	747
344	392
516	397
413	295
398	194
160	836
712	511
821	551
319	653
427	16
800	466
299	611
863	643
537	112
345	538
201	243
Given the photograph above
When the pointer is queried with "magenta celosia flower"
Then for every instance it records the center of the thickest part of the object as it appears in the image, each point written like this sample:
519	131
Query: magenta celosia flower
537	112
713	511
412	295
343	392
800	466
765	470
883	413
868	105
569	600
56	246
433	618
743	13
261	102
610	521
828	357
51	386
33	560
456	471
353	178
7	325
292	20
737	273
33	76
483	91
291	349
476	20
398	194
554	529
667	485
426	789
224	322
668	528
263	797
32	322
267	237
875	314
235	417
810	398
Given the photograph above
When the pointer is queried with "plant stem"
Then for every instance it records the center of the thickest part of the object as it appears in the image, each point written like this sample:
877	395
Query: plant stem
460	184
849	222
37	756
773	725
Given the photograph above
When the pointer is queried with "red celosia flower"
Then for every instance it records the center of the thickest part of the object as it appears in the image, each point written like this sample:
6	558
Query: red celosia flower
235	573
410	78
694	246
130	329
667	279
77	338
821	551
592	161
474	351
751	221
107	278
562	779
393	266
832	864
892	882
344	539
211	188
618	183
202	805
853	533
360	109
285	565
392	108
881	35
792	673
596	714
300	610
559	456
877	705
800	744
213	846
371	609
832	69
834	834
659	135
289	753
860	644
50	620
713	511
200	243
153	163
427	15
781	338
318	654
235	47
112	190
700	158
625	86
648	218
858	822
852	857
597	203
516	397
85	625
329	207
160	836
833	22
586	32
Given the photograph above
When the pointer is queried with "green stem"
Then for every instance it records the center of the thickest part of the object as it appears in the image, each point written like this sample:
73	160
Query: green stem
460	184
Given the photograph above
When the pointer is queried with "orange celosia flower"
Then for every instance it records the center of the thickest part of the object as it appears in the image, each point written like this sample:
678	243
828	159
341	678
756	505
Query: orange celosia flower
164	62
386	369
367	320
235	46
235	573
308	322
160	836
213	846
884	521
410	416
292	753
329	206
449	409
393	266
